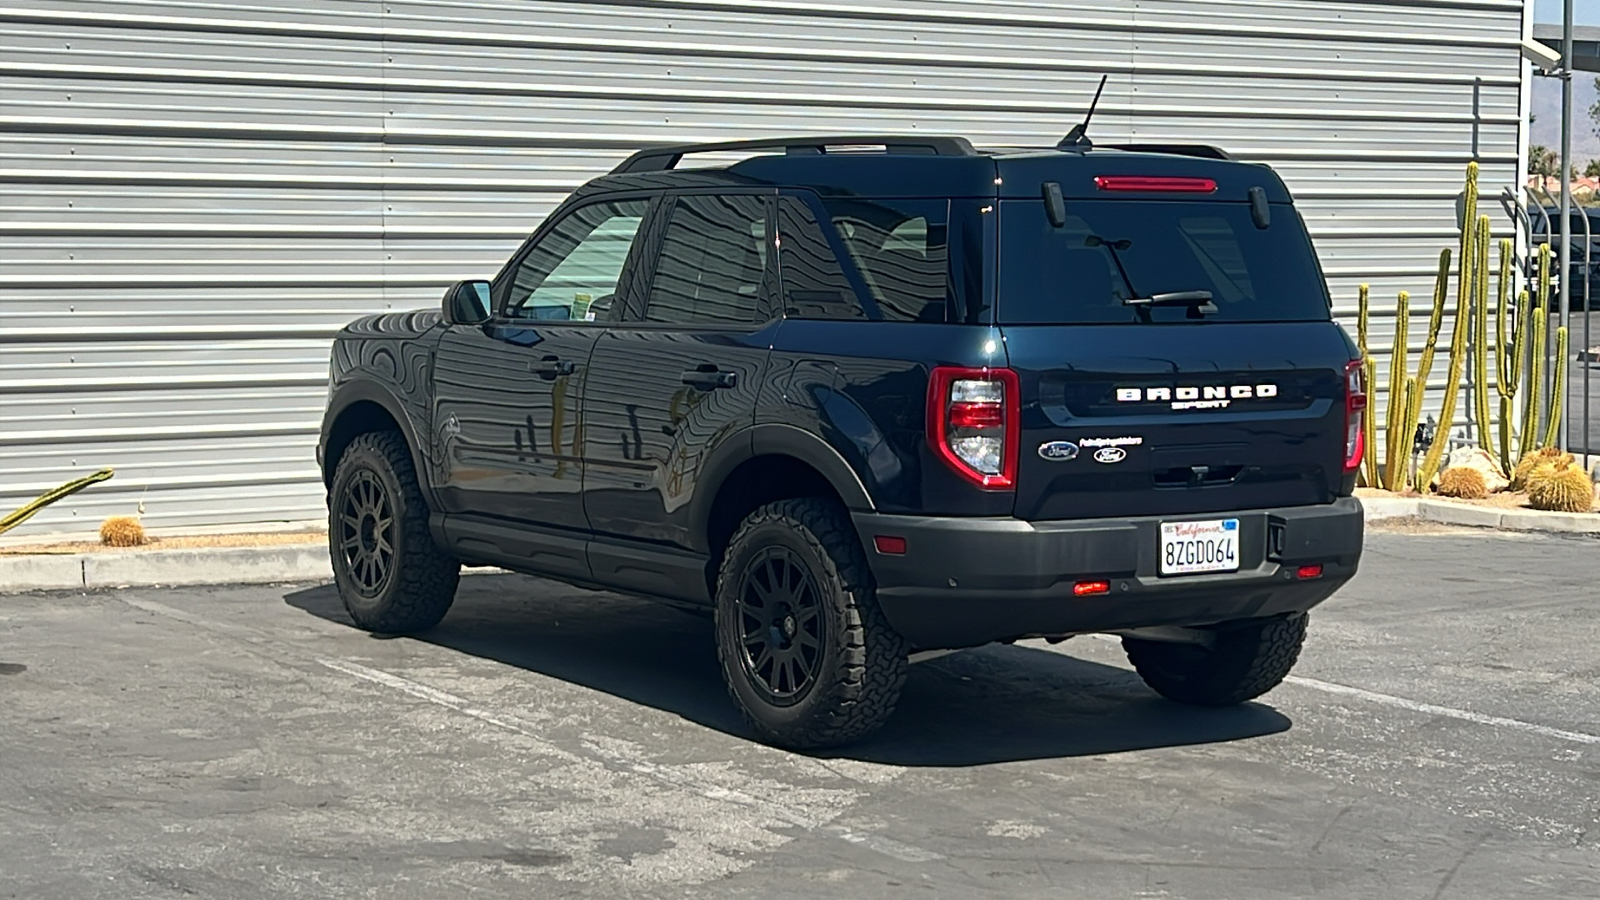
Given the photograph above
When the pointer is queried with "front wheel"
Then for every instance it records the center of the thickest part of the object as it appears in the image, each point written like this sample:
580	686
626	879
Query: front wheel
806	653
392	577
1241	661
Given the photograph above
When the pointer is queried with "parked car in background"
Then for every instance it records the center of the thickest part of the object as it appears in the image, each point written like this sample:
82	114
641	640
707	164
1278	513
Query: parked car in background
1585	272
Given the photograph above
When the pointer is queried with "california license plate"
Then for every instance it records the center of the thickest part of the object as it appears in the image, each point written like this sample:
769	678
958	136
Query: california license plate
1191	547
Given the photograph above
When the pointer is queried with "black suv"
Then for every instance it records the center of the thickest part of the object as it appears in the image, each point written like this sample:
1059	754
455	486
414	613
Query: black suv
862	397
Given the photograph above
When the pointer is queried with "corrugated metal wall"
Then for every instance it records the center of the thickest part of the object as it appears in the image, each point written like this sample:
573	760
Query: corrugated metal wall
195	195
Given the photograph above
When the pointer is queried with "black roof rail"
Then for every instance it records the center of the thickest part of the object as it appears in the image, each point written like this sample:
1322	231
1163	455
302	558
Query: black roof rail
658	159
1203	151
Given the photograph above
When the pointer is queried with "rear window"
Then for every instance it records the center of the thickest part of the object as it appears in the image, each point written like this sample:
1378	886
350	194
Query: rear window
1112	250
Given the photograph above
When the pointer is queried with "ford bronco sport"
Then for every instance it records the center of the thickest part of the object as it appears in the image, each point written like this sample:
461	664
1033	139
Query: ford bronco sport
866	396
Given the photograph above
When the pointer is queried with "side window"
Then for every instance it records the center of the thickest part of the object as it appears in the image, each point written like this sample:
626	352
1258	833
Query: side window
713	261
901	249
572	273
814	284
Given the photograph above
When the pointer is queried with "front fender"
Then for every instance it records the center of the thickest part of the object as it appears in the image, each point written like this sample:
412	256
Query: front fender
347	416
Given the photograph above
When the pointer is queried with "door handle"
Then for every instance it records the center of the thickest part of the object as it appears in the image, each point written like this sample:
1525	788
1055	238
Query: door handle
552	367
708	378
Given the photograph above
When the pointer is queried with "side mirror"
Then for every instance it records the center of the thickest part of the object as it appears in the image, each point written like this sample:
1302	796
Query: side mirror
466	303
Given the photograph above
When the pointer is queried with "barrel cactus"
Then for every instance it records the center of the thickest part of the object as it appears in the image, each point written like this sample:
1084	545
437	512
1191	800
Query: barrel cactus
1544	456
1462	482
1565	488
122	531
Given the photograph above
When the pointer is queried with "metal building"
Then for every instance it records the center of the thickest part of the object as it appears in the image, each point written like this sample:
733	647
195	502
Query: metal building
196	194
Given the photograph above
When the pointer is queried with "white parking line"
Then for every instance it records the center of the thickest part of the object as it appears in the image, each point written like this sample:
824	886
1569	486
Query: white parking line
1465	715
1432	709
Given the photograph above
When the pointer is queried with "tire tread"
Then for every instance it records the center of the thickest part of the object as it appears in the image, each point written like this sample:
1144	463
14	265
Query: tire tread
426	578
866	686
1248	660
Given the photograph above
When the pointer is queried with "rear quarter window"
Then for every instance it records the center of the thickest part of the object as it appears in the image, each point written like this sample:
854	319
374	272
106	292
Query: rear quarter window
1112	250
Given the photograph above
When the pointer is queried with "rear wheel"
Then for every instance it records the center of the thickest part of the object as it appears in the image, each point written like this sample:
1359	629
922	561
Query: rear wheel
390	574
807	655
1242	661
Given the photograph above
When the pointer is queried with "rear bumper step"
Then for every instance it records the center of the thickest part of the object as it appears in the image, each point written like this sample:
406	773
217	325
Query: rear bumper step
969	581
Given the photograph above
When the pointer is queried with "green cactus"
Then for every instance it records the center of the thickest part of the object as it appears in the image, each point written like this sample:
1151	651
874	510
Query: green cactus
1558	391
1369	417
1465	296
1480	343
1394	447
1532	410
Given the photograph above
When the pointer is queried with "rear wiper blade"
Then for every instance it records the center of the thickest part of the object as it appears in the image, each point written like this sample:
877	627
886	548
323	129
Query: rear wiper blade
1199	301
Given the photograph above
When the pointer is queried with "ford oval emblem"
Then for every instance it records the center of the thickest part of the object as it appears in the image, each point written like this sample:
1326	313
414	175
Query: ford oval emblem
1058	451
1110	455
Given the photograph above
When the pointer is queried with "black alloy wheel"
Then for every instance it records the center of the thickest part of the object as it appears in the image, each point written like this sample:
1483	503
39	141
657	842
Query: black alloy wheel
781	625
807	655
390	574
366	533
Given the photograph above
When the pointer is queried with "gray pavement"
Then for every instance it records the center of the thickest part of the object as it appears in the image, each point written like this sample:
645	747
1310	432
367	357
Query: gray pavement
1440	739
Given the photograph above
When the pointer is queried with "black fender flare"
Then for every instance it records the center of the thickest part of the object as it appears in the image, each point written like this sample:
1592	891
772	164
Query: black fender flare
361	391
773	439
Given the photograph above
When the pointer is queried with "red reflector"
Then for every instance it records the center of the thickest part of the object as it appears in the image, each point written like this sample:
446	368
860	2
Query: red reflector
1168	184
1085	588
977	415
1308	572
894	546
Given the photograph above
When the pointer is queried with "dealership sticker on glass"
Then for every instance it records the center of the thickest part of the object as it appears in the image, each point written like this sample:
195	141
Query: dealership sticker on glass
1188	548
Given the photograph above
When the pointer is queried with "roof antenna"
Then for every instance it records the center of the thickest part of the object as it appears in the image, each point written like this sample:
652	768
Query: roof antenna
1078	137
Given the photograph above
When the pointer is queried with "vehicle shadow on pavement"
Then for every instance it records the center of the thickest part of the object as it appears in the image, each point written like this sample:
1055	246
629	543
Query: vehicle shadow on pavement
986	705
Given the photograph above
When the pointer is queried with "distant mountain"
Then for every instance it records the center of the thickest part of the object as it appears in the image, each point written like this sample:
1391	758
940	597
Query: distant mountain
1547	117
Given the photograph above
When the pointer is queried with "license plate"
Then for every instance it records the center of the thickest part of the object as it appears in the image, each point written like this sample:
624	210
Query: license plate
1191	547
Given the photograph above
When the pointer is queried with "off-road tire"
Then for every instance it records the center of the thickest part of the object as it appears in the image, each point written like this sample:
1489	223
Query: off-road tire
1247	659
420	582
862	662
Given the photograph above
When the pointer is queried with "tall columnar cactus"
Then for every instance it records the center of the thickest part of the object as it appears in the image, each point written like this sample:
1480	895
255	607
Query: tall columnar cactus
1465	297
1396	448
1369	416
1481	343
1509	353
1558	390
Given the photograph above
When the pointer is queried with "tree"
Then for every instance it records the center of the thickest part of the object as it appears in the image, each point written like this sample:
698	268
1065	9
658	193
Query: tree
1592	170
1594	111
1543	161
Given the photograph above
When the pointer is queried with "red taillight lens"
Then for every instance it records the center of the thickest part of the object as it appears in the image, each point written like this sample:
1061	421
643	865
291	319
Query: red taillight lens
1089	588
973	423
977	415
1355	403
1157	183
1306	573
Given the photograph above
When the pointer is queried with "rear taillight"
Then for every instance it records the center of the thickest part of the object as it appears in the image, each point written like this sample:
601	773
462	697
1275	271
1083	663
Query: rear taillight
973	423
1355	403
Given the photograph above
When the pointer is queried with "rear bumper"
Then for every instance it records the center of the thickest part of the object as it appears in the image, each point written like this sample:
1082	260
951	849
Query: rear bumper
969	581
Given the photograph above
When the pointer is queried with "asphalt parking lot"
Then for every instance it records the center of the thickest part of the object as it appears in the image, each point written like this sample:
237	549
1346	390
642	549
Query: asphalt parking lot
1440	739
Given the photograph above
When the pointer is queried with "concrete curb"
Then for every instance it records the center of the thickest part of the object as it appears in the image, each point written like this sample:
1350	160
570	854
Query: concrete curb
309	562
1445	512
223	565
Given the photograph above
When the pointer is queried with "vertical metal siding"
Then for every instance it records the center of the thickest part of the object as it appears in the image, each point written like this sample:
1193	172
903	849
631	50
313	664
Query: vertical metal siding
195	195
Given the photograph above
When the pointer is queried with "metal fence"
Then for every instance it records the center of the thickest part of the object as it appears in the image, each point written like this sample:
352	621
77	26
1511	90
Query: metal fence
1535	226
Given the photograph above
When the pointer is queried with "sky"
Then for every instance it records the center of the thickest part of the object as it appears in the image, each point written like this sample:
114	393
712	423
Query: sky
1584	12
1547	91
